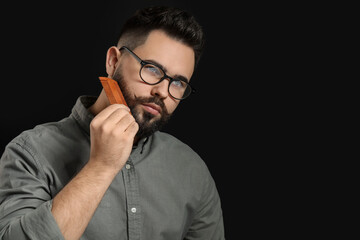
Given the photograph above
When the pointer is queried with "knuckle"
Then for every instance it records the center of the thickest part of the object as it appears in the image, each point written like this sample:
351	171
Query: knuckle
133	128
94	123
119	106
114	106
130	117
106	128
115	134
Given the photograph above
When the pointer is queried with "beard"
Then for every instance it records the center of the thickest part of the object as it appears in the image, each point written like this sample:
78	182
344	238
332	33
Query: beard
148	123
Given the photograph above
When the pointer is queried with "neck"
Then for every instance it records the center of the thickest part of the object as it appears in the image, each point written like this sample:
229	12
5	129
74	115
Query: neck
100	104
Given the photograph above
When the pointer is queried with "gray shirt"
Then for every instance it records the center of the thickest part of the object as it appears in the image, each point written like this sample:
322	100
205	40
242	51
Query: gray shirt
164	191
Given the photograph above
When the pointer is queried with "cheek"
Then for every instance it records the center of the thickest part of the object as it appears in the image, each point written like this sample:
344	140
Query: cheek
137	87
131	77
171	105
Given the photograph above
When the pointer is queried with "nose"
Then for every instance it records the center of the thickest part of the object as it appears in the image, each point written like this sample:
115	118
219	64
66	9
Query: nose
161	89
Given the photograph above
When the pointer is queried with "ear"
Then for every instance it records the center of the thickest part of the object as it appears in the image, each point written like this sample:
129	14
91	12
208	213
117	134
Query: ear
112	60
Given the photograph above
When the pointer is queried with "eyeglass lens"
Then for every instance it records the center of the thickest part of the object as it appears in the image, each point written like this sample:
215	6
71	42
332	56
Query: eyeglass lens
152	74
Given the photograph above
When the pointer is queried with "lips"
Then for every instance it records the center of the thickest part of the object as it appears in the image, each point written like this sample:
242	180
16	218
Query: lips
152	108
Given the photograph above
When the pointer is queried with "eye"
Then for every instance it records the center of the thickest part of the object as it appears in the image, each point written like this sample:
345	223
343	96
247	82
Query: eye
178	83
152	70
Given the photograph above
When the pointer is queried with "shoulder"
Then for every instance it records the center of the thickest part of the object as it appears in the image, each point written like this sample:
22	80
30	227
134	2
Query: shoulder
184	164
53	148
47	141
25	152
178	151
46	134
166	138
168	142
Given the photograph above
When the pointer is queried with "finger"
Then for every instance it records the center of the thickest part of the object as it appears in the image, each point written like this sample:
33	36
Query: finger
125	121
121	127
132	129
117	115
104	114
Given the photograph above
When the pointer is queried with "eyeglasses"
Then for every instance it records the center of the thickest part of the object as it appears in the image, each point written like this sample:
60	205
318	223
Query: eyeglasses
153	74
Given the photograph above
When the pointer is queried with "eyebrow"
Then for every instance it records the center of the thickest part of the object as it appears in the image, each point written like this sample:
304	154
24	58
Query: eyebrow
178	76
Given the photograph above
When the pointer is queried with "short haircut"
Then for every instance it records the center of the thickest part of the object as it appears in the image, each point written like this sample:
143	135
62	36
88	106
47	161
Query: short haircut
176	23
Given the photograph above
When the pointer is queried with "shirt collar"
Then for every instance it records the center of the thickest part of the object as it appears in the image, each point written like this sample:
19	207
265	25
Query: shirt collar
81	113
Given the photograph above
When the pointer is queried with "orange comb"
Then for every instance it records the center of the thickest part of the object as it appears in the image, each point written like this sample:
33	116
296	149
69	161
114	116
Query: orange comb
112	90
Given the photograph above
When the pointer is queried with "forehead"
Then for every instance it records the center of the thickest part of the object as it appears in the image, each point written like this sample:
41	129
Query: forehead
176	57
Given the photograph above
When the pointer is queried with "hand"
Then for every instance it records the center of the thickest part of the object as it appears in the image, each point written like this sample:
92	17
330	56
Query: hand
112	134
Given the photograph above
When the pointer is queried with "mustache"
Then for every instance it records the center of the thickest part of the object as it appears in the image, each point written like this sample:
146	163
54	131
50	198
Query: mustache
153	99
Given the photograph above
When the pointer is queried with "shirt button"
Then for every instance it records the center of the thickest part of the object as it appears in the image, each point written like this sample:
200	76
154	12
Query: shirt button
133	210
127	166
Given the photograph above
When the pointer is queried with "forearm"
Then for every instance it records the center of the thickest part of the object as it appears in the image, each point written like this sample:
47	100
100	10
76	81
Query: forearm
74	206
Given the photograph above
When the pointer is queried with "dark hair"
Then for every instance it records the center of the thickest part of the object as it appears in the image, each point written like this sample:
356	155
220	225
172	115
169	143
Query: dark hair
176	23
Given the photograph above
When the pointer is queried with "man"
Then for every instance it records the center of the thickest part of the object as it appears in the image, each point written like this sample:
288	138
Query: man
106	172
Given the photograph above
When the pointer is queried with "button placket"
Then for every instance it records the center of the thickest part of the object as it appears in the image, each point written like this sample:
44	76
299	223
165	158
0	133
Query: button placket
132	196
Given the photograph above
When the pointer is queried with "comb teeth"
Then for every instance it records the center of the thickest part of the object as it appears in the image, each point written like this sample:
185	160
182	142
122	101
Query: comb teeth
112	90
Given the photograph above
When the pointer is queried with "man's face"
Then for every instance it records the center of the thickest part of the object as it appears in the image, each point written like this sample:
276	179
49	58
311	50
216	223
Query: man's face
151	105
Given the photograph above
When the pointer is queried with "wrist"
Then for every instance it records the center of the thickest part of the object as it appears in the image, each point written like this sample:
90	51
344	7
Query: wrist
101	169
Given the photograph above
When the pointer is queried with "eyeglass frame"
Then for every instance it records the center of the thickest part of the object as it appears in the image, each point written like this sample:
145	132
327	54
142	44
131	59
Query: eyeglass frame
171	79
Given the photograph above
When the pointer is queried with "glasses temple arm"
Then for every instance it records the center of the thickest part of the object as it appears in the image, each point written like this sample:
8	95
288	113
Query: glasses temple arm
131	52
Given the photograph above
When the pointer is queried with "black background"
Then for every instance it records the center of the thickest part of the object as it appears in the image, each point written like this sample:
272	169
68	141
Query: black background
54	52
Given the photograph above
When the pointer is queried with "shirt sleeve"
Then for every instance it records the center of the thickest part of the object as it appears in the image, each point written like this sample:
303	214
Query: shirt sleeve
25	197
208	221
